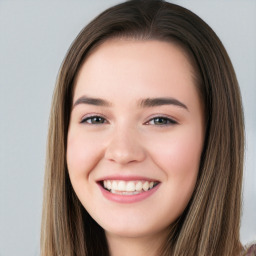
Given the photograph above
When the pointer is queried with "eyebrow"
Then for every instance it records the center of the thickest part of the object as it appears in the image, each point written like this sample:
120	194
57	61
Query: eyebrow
144	103
92	101
154	102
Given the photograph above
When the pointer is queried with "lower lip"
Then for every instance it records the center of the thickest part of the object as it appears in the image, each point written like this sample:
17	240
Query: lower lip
127	198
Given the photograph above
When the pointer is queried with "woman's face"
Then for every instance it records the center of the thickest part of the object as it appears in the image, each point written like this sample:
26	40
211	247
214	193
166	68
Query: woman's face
135	136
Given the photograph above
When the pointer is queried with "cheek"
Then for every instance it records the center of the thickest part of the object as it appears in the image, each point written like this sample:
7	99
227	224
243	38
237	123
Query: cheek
178	153
180	163
82	153
178	156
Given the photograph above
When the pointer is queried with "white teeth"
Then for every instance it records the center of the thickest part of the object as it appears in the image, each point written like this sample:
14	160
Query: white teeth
128	187
124	192
114	185
139	186
145	186
109	185
121	186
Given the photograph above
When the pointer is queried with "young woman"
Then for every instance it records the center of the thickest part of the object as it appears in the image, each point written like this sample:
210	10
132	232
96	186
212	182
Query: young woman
146	139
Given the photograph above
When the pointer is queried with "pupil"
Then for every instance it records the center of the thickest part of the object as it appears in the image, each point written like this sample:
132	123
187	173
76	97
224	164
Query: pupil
160	121
97	120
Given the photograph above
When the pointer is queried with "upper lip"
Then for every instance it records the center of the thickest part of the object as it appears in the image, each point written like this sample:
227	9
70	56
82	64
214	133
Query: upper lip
126	178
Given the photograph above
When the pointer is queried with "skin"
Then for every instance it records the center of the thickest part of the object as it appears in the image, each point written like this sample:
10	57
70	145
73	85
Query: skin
129	140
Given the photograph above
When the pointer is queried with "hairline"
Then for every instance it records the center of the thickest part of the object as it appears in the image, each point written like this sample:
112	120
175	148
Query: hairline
139	37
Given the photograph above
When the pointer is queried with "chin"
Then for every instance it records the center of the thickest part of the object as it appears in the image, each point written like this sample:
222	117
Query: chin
132	227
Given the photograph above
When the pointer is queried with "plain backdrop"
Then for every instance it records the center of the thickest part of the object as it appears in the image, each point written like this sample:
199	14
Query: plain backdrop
34	37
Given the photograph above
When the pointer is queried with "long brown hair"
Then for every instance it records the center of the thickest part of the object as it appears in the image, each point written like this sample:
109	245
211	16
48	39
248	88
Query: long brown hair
210	223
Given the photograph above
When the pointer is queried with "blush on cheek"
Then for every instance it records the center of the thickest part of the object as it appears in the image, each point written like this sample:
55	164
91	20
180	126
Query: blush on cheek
180	159
82	156
74	156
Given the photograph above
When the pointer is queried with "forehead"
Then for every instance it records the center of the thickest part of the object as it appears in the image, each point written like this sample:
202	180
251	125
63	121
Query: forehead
151	48
126	72
132	59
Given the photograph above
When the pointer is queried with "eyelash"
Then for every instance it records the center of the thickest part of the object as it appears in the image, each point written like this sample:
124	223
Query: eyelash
86	119
166	121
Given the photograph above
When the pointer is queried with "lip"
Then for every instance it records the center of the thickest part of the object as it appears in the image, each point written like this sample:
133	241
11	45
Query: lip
126	178
127	198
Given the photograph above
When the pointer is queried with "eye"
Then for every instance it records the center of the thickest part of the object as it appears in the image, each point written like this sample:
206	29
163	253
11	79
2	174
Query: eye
161	121
94	120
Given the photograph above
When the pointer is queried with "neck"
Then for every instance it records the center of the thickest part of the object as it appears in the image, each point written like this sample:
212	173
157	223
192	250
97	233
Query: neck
136	246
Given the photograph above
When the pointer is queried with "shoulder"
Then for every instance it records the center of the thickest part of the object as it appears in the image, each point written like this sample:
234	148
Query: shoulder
250	250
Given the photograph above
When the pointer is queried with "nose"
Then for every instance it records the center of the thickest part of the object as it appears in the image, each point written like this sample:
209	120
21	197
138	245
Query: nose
125	147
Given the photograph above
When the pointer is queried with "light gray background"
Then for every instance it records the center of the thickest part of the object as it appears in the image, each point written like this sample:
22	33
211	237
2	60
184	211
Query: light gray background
34	37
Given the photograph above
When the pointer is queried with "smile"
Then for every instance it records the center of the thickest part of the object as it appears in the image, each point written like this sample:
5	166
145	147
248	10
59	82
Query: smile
122	187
